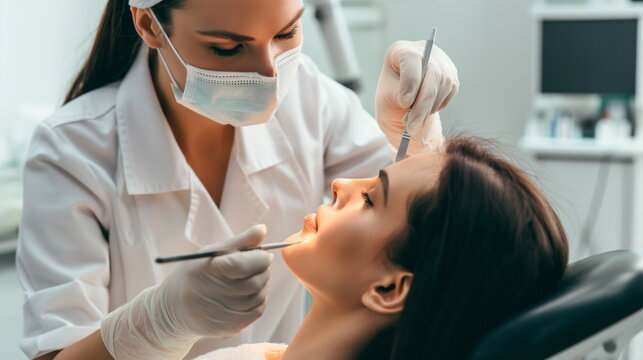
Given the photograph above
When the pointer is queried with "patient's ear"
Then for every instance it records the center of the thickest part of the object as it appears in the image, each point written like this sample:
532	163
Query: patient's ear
387	295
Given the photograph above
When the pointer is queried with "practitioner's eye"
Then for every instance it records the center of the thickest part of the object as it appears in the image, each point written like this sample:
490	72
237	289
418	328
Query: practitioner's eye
226	52
288	35
367	199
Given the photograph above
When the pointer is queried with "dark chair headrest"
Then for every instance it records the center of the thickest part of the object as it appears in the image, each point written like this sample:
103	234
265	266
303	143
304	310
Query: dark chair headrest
595	293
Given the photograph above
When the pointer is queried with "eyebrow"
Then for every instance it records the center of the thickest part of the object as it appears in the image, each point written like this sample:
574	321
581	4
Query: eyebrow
294	20
243	38
384	181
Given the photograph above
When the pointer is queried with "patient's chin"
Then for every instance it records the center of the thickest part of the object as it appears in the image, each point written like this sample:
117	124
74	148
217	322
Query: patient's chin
295	255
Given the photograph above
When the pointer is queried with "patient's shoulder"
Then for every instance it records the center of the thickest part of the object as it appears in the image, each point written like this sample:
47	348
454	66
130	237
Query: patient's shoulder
262	351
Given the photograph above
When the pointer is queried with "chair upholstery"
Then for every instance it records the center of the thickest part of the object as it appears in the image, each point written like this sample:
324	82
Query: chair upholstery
594	294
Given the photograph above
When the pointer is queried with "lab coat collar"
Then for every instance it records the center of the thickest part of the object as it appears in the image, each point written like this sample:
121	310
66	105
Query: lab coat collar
261	146
256	148
152	160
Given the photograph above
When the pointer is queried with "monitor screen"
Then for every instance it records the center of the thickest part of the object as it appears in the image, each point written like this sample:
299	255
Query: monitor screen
589	57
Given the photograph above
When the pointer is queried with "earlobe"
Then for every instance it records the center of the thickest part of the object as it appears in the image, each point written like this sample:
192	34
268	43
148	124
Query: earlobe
387	296
146	27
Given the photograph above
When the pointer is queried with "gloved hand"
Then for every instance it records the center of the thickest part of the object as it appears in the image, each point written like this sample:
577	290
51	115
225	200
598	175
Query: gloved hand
398	85
214	297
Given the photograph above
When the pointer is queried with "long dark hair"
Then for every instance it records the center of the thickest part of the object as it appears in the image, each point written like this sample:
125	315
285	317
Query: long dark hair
482	245
115	47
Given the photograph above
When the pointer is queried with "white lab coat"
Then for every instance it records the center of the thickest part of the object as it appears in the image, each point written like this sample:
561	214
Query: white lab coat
107	190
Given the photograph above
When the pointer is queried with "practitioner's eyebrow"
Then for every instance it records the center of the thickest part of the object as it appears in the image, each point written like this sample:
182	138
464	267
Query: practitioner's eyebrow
226	35
245	38
384	180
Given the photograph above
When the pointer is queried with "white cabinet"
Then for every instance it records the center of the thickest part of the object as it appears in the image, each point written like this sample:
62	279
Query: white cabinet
10	208
579	179
593	199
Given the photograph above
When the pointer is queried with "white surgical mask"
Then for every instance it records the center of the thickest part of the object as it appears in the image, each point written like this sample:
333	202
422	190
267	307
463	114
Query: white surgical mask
234	98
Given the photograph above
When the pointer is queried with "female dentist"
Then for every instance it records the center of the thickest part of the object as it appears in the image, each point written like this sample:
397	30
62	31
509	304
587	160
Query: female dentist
152	155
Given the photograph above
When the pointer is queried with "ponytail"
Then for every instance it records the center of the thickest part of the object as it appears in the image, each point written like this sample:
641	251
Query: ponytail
115	48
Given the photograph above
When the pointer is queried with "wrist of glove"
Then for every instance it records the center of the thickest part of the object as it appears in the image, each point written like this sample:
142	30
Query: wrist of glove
429	138
142	330
213	297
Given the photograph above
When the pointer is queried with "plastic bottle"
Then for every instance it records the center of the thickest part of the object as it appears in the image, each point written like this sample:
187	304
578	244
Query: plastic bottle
622	127
606	130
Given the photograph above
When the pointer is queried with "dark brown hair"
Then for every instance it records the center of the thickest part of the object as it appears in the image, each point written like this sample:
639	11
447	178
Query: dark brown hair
482	245
115	47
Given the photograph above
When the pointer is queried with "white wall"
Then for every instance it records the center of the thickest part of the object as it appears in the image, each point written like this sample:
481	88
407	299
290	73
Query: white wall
491	43
4	149
42	44
366	22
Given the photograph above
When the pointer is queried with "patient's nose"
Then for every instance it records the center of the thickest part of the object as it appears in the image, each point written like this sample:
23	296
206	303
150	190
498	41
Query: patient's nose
341	193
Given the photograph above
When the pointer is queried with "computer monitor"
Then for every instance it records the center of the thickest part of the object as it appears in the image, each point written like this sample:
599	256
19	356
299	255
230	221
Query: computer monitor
588	56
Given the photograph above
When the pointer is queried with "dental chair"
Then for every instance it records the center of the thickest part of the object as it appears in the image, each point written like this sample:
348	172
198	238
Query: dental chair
593	315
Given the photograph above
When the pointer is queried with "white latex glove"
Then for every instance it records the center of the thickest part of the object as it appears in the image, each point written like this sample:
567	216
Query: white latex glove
214	297
398	85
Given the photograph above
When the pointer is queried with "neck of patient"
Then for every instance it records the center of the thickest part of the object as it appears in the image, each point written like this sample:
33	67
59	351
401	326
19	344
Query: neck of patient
332	333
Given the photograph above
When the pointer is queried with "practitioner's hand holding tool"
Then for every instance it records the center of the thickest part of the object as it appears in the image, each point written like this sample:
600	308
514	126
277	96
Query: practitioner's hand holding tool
213	297
405	92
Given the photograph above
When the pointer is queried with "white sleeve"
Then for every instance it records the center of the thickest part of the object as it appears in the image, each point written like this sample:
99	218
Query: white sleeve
62	257
355	147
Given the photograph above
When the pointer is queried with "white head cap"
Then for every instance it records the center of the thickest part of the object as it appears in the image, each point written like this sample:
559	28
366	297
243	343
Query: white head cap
143	4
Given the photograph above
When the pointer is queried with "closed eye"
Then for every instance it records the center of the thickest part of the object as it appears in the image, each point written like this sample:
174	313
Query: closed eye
237	49
288	35
367	199
226	52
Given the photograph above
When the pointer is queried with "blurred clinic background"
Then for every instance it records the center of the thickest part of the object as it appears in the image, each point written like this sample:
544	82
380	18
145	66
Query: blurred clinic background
555	81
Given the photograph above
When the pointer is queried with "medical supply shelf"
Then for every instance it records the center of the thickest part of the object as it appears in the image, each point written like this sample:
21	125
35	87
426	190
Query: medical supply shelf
585	10
8	241
582	147
543	11
10	208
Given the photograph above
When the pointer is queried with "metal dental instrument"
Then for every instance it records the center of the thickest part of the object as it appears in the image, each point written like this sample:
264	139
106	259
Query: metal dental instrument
404	143
168	259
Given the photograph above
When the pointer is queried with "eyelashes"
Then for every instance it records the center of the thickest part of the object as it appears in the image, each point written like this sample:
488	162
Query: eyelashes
235	50
226	52
288	35
367	199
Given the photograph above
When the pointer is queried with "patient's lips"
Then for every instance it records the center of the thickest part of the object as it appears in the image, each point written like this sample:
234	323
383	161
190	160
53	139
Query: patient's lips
310	222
